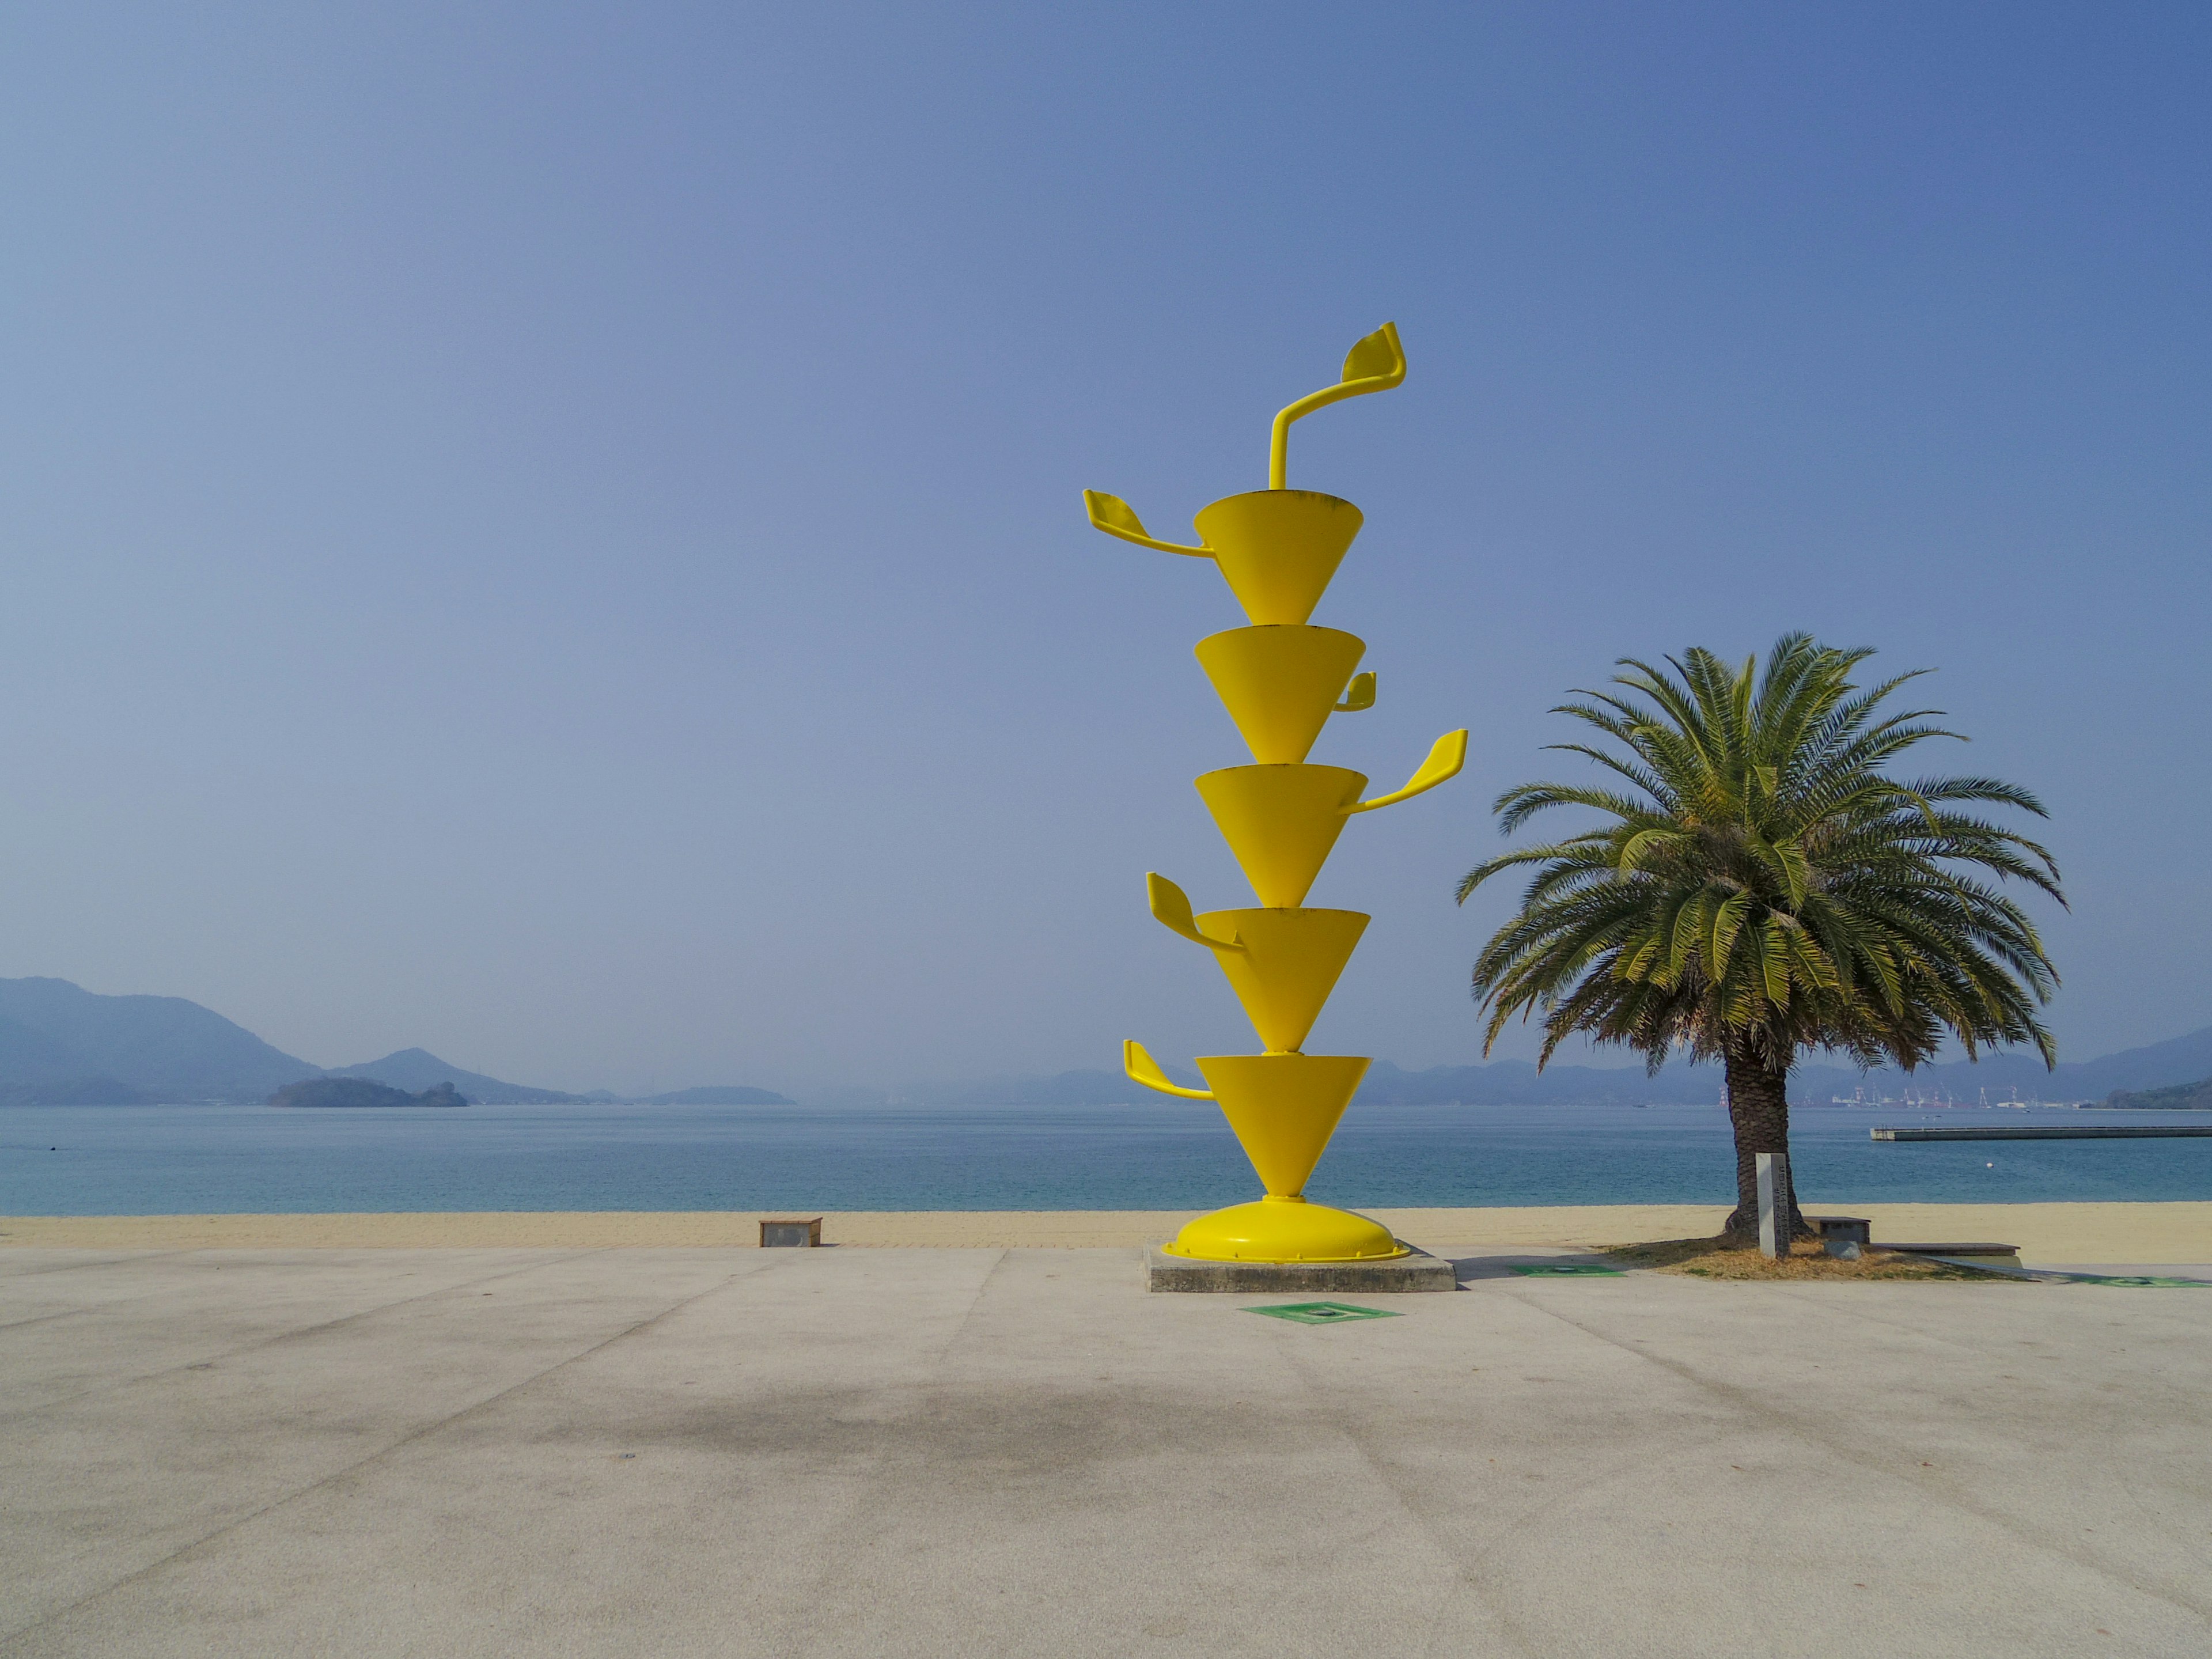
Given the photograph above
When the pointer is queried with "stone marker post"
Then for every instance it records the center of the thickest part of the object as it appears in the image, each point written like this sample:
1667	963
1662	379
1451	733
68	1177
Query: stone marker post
1773	1204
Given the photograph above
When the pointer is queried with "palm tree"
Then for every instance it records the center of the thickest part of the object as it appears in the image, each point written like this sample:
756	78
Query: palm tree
1760	887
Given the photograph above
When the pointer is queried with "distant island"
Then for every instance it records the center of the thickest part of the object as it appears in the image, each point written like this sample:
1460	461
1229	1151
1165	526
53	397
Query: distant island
360	1092
418	1068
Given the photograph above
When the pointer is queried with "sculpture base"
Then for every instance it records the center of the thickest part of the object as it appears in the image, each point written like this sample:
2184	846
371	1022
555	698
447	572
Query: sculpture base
1413	1270
1284	1230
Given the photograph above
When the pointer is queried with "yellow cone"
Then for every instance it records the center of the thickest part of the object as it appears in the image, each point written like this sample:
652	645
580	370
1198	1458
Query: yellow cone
1280	822
1277	549
1279	683
1288	965
1284	1109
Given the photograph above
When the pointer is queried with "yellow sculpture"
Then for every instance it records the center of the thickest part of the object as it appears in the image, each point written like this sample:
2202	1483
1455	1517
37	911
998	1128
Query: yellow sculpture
1281	679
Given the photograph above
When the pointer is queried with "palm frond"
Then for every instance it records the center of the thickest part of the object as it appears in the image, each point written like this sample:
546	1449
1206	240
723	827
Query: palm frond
1763	885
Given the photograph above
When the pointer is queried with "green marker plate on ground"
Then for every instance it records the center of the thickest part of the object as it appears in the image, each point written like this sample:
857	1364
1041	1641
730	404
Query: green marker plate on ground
2123	1279
1568	1270
1322	1313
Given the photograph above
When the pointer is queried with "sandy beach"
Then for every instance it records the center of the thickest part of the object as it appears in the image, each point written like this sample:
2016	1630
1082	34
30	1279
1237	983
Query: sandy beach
2135	1233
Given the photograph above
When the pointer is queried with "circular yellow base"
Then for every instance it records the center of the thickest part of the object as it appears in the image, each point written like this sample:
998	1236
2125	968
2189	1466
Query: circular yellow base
1284	1230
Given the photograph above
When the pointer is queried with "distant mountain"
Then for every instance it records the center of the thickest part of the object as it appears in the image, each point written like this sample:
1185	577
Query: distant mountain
2176	1098
356	1091
77	1091
60	1044
2177	1059
32	1056
1518	1083
721	1093
58	1039
1083	1088
416	1069
1515	1082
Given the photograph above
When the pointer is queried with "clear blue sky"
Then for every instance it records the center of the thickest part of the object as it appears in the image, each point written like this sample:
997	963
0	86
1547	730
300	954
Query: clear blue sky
553	532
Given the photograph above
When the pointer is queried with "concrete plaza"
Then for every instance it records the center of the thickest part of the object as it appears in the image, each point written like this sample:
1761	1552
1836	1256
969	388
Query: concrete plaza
1017	1451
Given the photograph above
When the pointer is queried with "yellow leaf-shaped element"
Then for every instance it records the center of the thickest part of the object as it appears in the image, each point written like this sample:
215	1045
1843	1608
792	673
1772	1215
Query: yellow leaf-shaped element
1171	908
1113	515
1143	1069
1117	518
1376	364
1446	756
1359	695
1378	357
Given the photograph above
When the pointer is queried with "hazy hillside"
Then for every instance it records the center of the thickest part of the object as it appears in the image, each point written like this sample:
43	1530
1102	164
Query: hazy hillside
1515	1082
162	1045
1518	1082
2177	1059
416	1069
29	1056
77	1091
2178	1097
720	1094
1083	1088
60	1044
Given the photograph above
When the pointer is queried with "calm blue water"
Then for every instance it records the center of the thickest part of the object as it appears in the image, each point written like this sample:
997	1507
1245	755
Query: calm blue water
154	1160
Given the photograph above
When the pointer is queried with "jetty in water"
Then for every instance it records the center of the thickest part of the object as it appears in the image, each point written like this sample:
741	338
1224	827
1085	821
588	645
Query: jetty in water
2115	1132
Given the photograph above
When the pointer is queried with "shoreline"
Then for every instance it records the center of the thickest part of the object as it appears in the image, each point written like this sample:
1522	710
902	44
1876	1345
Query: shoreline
2150	1232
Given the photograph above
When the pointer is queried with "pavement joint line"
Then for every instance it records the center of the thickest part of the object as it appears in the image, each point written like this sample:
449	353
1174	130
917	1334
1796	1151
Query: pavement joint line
355	1467
873	1520
113	1259
283	1336
42	1319
1459	1573
1794	1293
975	1302
1752	1401
1465	1578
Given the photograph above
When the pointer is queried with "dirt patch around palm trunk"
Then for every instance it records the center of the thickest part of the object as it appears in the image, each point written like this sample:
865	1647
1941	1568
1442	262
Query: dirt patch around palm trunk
1722	1258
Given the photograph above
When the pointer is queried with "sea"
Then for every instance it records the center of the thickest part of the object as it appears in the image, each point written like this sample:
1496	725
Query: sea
210	1160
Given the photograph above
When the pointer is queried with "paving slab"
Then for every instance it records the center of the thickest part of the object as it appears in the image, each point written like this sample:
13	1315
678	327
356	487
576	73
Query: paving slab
1020	1451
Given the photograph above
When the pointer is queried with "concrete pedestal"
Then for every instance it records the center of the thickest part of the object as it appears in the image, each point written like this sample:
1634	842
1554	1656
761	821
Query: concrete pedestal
1417	1271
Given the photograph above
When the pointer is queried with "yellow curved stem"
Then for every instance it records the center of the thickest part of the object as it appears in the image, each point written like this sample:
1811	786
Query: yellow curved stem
1117	518
1376	364
1143	1069
1446	756
1171	908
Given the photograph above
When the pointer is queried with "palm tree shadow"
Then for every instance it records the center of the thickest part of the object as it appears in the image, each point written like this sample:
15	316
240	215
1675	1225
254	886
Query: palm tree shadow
1523	1264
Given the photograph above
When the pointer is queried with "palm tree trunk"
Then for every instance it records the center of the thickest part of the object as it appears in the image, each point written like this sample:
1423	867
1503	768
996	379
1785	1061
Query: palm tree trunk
1759	1111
